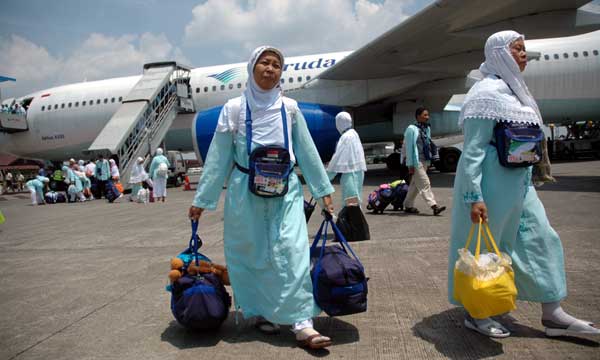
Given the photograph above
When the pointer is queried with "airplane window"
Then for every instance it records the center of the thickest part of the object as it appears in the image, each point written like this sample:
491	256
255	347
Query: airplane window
307	77
222	87
98	101
77	104
206	89
230	86
214	88
547	57
299	78
595	52
282	80
291	80
197	90
120	99
566	56
106	100
70	104
239	85
585	53
43	107
575	54
112	100
83	103
556	56
62	106
55	106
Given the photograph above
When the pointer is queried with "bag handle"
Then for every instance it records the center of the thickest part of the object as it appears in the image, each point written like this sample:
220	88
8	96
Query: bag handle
487	238
326	222
195	242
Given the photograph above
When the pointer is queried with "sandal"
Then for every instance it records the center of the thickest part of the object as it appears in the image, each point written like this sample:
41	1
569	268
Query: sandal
314	342
411	210
489	328
266	327
578	327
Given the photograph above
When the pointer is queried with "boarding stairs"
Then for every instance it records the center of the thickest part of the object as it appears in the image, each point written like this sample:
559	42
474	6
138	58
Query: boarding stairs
140	124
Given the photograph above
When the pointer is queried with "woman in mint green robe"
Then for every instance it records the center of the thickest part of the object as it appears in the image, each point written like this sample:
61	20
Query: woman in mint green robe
265	239
516	216
504	197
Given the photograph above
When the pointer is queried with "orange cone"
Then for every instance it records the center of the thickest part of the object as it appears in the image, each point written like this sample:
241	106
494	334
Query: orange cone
186	183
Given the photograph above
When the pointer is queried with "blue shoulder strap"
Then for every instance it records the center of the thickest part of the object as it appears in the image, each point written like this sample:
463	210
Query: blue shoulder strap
249	128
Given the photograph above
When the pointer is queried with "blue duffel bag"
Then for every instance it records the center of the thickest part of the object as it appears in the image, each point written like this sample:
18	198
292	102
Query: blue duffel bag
198	302
339	281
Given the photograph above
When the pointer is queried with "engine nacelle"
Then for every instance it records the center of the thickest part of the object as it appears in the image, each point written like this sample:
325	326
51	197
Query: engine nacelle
320	120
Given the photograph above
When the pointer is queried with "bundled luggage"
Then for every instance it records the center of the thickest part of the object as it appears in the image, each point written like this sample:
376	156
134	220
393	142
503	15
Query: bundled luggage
339	281
380	198
199	299
53	197
484	283
352	224
399	191
111	192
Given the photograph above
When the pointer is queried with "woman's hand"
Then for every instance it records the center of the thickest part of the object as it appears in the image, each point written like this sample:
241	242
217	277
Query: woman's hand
478	210
195	212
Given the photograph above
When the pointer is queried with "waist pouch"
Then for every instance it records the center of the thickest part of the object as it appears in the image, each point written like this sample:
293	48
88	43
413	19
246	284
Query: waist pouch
518	146
269	171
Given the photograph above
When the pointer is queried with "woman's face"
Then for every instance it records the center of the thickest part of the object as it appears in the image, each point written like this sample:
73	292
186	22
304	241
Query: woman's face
517	50
267	70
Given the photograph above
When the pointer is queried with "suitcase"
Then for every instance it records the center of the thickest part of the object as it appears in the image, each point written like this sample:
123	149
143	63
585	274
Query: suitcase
399	191
380	199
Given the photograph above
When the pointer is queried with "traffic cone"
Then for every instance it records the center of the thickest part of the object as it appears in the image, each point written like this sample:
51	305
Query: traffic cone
186	183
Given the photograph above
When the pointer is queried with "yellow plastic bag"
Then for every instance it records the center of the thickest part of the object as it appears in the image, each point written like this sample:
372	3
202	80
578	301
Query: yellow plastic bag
484	283
2	219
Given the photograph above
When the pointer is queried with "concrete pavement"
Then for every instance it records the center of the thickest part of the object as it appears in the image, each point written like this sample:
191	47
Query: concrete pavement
86	281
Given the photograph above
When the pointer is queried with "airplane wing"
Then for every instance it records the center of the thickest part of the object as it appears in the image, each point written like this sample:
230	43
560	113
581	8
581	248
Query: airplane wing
446	39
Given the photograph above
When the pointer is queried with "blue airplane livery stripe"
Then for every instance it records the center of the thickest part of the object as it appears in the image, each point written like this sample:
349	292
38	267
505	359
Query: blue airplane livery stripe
227	75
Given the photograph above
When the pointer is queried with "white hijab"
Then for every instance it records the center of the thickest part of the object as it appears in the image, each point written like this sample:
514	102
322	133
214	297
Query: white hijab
502	94
138	173
349	155
257	98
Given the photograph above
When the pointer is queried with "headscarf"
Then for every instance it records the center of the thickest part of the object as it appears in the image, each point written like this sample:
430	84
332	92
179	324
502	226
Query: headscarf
502	94
138	173
257	98
81	164
349	155
114	169
159	151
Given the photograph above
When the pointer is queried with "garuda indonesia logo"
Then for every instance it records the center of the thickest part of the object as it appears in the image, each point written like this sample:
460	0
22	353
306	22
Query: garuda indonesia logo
227	75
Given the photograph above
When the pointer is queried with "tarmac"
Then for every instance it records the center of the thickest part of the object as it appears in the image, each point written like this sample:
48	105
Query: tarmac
87	281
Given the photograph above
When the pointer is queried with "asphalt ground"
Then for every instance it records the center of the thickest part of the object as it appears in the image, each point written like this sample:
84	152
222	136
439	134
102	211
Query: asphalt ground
87	281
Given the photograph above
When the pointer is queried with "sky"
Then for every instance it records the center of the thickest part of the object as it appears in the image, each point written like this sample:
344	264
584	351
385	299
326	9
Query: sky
49	43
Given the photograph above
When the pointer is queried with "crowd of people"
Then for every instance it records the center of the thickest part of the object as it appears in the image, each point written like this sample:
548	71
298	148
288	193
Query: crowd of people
83	180
11	183
15	108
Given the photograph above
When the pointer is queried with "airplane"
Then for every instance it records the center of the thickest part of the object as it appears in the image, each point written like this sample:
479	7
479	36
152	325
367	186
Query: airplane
422	61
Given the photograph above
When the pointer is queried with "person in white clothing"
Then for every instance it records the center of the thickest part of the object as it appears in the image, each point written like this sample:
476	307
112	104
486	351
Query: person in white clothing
159	171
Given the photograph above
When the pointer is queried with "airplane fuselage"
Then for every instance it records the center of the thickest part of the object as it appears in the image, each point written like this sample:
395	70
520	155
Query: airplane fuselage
63	121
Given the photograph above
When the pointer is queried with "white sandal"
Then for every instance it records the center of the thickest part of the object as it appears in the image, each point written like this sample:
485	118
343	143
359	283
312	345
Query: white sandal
577	327
490	328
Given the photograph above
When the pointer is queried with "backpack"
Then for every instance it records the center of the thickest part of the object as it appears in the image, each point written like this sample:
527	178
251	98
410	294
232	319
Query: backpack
339	281
163	170
198	302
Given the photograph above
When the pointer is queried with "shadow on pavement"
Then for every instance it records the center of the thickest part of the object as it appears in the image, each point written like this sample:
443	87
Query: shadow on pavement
573	183
340	331
450	337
